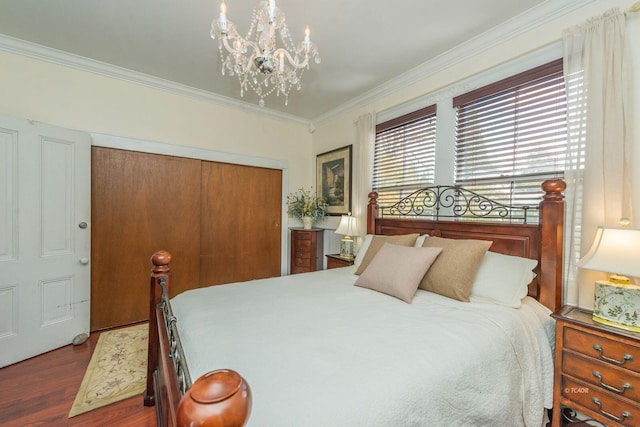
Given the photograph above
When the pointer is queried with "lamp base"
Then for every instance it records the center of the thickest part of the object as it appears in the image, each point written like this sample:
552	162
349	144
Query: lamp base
346	248
617	305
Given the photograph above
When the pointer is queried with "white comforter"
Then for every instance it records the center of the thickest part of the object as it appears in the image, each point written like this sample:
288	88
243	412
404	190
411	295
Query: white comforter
318	351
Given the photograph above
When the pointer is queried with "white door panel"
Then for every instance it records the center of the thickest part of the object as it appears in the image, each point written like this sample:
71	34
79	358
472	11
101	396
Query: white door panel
44	195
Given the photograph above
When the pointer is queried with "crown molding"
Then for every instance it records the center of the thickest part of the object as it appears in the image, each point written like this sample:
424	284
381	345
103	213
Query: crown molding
520	24
58	57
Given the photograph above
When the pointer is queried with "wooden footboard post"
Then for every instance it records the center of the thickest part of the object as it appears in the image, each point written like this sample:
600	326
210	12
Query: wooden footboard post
551	243
372	212
160	260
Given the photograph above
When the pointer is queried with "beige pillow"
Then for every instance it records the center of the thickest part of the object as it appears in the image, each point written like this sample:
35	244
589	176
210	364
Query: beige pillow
452	274
378	241
397	270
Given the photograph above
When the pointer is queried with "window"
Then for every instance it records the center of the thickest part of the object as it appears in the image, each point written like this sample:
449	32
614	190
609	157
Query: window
404	155
512	134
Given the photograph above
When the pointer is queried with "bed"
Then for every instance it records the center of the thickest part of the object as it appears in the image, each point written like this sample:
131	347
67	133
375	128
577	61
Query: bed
313	349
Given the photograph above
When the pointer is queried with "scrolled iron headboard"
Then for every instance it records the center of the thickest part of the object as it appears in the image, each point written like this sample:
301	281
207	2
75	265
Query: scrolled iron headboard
446	201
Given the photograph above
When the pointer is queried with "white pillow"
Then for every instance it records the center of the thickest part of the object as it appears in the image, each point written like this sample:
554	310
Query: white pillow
366	241
420	240
503	279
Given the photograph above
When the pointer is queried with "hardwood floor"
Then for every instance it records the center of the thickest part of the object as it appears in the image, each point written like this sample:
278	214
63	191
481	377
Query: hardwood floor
41	390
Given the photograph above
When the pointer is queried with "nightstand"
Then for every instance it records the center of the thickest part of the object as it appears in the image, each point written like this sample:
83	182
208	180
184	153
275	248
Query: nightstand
336	261
597	369
307	247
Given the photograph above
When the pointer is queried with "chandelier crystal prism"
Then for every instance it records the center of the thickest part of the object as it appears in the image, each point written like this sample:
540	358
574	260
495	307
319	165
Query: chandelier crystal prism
267	60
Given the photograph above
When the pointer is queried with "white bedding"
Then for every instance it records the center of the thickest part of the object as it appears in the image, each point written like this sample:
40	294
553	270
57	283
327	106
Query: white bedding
318	351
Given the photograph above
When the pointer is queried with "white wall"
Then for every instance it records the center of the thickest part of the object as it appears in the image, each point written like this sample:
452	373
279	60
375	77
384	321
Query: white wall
340	130
71	98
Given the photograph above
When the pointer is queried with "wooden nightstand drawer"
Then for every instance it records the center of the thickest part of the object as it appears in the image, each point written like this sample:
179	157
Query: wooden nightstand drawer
300	237
594	399
296	269
336	261
602	375
301	261
601	348
302	247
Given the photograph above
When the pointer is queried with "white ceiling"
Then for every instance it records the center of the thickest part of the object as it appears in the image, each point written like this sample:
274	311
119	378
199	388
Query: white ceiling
363	43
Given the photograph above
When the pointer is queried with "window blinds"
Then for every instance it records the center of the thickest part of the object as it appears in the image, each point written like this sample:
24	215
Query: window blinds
404	155
511	135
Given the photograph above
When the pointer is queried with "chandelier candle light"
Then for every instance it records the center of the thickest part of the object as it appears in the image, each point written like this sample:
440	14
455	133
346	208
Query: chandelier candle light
257	60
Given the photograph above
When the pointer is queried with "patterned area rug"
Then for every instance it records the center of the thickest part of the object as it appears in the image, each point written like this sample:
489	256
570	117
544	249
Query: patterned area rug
117	370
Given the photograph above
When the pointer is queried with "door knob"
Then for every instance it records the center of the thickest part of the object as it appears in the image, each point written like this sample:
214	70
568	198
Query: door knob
84	261
82	225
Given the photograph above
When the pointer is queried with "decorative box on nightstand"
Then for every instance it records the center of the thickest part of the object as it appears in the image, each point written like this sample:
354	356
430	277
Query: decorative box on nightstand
597	369
336	261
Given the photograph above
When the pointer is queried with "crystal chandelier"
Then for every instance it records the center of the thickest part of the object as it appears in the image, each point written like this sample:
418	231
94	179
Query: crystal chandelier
257	60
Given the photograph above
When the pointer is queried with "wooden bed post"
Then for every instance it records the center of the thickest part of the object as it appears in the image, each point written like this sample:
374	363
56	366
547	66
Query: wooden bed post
372	212
551	243
219	398
160	260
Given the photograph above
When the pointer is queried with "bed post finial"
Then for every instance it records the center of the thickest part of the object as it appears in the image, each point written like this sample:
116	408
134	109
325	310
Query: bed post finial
551	243
553	189
160	270
161	260
218	398
372	212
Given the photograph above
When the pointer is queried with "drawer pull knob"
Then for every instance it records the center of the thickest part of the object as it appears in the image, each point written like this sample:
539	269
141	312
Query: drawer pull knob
622	416
626	357
625	386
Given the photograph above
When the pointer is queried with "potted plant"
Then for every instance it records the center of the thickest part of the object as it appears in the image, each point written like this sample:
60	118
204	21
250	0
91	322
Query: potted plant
306	205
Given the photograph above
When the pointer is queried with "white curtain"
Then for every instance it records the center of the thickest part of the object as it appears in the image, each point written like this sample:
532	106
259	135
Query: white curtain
597	73
633	33
363	168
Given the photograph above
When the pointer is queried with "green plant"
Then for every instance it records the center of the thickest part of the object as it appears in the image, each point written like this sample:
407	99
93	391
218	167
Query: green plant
306	203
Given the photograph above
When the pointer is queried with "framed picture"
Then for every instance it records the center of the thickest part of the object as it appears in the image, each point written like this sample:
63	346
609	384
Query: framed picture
333	180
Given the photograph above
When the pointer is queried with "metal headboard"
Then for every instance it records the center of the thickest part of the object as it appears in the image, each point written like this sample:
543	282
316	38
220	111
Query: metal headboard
446	201
175	352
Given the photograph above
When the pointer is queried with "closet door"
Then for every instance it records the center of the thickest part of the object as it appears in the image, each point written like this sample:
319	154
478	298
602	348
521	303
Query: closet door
140	203
240	223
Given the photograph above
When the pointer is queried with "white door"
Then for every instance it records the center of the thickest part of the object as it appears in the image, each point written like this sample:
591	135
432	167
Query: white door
45	185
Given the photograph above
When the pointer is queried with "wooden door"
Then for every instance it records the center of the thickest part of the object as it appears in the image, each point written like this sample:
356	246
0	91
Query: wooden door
141	203
241	230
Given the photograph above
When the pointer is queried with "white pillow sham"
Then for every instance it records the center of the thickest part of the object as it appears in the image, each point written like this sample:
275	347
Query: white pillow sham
366	241
420	240
503	279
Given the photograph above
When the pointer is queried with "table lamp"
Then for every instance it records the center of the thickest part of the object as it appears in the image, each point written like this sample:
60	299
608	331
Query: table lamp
347	227
616	301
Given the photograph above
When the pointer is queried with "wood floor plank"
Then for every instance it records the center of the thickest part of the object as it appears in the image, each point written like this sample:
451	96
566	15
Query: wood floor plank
40	392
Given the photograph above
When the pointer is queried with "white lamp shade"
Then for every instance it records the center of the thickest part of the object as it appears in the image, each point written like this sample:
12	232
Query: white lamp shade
348	226
615	250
